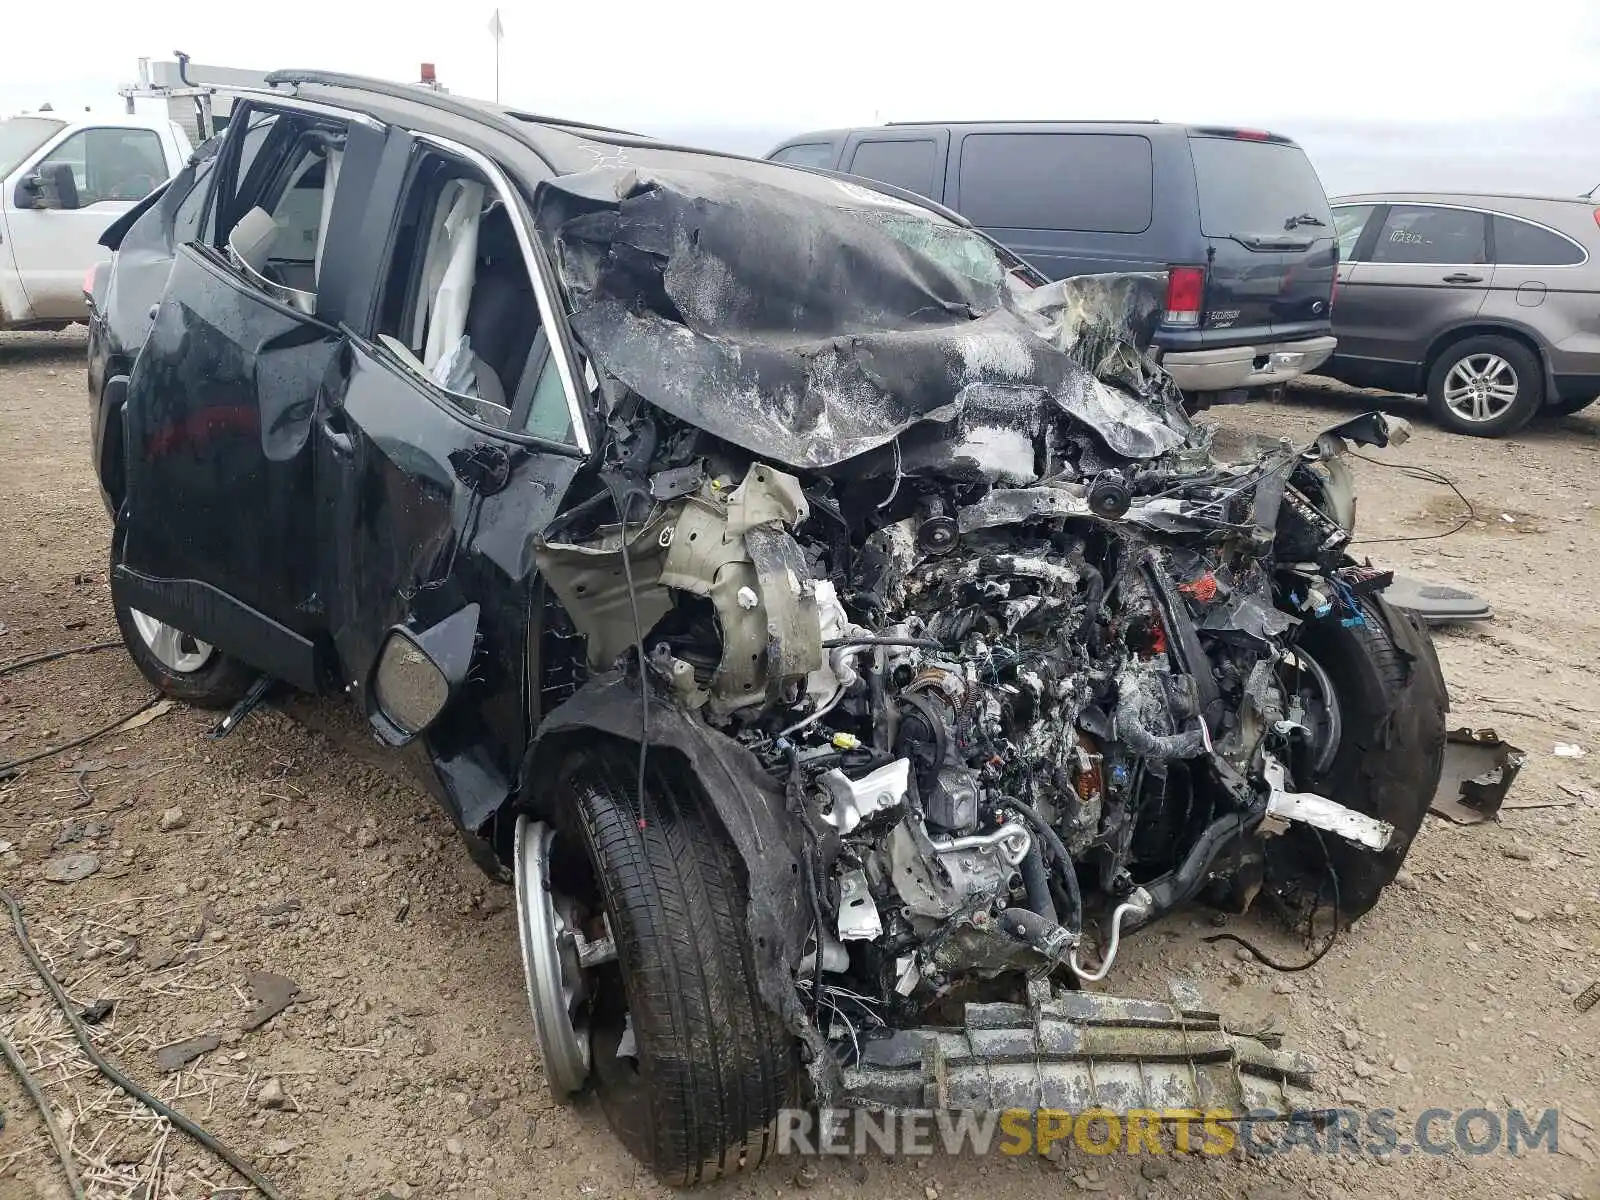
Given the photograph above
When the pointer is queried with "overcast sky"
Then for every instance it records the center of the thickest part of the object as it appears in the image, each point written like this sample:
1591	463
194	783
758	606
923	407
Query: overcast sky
1383	93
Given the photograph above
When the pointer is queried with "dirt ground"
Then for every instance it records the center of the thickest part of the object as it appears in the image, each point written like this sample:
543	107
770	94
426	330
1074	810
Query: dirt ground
405	1065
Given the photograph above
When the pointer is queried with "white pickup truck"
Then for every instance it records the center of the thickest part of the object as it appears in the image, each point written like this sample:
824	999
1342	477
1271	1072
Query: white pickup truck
63	179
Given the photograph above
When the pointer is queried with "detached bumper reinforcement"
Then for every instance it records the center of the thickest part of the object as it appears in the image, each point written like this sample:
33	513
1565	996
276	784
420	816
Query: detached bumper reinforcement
1078	1050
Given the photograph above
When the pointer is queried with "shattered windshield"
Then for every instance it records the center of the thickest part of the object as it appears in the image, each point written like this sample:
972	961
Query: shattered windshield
950	246
21	136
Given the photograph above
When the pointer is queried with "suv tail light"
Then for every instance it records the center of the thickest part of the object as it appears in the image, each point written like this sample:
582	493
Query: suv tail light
1186	293
1597	216
1333	294
88	283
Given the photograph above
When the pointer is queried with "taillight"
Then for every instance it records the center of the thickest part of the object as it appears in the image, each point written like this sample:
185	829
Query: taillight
1253	135
1597	216
1186	294
88	283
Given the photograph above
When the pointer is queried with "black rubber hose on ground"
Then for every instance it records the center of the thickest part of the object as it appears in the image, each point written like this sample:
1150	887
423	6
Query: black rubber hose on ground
86	1044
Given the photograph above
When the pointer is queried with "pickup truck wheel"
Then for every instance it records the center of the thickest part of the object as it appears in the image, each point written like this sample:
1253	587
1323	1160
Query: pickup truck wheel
1486	386
179	665
688	1063
1377	745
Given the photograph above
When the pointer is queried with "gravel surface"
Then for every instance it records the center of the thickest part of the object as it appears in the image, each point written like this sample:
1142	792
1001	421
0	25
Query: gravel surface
189	886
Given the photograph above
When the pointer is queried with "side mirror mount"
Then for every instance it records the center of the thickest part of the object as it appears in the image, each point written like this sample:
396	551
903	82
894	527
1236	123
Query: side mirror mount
418	673
51	186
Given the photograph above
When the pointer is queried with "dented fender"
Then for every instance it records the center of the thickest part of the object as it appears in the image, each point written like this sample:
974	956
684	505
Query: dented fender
746	801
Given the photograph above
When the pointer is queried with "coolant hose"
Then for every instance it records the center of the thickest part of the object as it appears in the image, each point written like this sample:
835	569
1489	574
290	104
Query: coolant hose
1133	734
1058	851
1185	881
1036	882
1042	934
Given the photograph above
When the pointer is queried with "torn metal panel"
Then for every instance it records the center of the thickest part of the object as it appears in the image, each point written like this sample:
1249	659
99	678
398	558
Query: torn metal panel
1479	769
815	324
1075	1051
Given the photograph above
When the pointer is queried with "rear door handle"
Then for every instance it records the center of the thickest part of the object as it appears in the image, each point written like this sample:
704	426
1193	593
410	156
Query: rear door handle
1463	277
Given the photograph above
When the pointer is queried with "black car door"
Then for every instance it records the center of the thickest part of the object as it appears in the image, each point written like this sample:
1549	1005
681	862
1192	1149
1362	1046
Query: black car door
215	536
446	439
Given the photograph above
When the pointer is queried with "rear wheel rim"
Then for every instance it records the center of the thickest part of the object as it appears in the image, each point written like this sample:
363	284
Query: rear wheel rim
1481	388
174	649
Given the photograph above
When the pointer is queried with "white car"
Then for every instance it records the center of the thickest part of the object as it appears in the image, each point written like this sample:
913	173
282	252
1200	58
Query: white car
63	180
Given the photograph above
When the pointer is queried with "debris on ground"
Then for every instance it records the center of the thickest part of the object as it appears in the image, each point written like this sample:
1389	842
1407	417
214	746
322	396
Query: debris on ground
177	1055
273	994
71	868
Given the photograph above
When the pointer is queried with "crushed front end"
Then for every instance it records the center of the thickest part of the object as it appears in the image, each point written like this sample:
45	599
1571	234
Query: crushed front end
981	655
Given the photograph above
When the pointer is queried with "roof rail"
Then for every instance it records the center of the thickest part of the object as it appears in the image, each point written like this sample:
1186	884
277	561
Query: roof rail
1039	121
461	106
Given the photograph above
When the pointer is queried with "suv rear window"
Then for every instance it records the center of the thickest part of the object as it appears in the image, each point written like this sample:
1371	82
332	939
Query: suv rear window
1093	182
1521	244
1255	187
904	163
807	154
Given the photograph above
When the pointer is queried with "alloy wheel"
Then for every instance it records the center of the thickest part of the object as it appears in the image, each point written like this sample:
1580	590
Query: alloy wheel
176	650
1480	388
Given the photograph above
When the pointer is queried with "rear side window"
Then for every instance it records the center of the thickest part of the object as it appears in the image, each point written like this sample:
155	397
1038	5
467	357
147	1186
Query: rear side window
1414	233
1092	182
810	154
1250	187
905	164
1521	244
1348	222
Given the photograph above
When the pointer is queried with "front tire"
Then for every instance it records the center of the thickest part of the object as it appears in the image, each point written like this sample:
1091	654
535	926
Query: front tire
1486	386
1390	729
710	1065
177	664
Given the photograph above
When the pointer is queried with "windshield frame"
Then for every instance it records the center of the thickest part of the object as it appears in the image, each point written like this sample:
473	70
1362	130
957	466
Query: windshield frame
14	155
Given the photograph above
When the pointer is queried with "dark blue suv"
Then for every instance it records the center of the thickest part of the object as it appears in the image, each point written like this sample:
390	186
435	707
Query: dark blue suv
1237	217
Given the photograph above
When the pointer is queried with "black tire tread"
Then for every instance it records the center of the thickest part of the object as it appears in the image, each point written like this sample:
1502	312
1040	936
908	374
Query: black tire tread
1394	709
717	1064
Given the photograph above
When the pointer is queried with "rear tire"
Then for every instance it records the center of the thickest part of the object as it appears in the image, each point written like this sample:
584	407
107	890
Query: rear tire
1487	386
1392	709
699	1099
175	663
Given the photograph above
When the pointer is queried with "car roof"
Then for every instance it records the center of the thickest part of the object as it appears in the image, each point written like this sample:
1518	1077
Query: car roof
1145	126
1471	199
561	146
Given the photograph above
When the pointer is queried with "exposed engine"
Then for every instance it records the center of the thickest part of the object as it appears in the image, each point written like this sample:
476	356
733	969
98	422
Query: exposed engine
939	585
997	712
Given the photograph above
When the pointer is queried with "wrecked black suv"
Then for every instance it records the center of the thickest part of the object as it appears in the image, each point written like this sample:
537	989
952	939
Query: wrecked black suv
840	637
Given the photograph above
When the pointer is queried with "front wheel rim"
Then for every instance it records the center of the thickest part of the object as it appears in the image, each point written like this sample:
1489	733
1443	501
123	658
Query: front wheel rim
1480	388
174	649
550	961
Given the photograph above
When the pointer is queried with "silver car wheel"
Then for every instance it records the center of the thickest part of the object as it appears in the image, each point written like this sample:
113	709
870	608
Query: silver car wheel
1480	388
173	648
552	950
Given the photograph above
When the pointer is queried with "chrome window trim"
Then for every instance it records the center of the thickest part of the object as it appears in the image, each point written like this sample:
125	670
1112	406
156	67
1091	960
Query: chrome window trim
1472	208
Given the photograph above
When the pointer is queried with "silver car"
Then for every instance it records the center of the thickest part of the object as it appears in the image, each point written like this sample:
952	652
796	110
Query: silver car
1490	304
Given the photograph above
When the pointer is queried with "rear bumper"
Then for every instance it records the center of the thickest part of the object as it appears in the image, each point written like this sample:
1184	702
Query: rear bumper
1262	365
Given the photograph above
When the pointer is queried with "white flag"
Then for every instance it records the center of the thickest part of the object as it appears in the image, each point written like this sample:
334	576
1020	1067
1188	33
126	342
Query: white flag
496	30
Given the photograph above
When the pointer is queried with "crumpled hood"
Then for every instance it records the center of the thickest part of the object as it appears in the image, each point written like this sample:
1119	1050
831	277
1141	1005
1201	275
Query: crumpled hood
813	322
